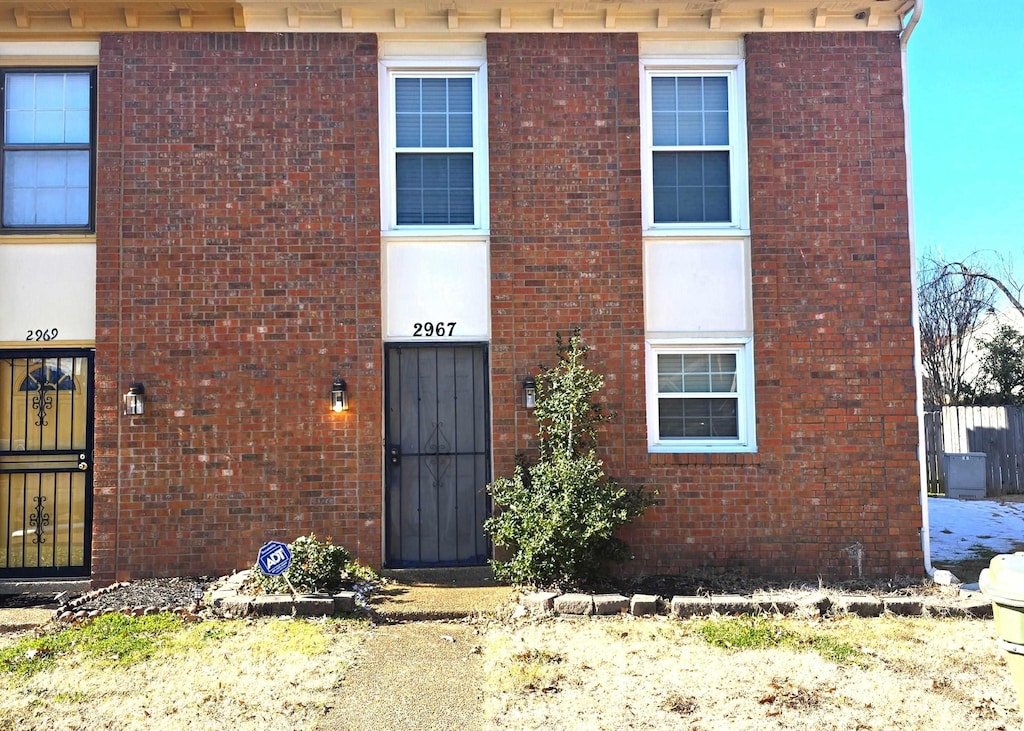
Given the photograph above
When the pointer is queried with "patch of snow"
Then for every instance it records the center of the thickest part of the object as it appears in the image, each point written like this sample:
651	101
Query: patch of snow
960	527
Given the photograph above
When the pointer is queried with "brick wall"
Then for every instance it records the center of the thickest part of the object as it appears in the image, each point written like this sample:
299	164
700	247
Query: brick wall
837	462
238	274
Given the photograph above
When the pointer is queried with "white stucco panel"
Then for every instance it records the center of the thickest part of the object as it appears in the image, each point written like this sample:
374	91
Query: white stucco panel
697	286
47	292
437	291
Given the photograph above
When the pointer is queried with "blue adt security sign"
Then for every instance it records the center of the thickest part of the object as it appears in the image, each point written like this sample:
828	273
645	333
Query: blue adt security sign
274	558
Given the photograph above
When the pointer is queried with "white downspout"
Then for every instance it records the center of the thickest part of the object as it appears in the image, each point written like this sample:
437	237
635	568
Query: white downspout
915	319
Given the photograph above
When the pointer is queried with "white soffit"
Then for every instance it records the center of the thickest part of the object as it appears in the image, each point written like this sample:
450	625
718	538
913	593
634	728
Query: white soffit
454	16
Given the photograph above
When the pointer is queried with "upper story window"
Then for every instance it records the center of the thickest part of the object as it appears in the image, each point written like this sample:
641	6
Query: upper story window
694	132
434	156
48	150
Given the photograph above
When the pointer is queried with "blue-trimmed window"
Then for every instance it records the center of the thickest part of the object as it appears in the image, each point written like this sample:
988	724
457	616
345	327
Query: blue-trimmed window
49	143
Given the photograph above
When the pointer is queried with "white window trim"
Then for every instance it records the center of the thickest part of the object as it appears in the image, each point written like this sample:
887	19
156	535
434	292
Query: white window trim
743	347
733	70
475	69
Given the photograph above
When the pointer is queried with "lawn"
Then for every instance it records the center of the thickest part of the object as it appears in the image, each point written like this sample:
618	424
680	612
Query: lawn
588	673
750	673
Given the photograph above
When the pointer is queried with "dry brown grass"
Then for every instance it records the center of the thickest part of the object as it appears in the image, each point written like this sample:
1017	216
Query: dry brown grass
610	673
905	673
222	676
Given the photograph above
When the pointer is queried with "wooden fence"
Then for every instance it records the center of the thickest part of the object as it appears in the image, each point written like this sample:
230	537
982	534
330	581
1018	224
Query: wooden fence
998	431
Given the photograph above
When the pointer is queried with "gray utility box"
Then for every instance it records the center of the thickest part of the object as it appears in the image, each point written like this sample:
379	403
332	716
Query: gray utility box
965	474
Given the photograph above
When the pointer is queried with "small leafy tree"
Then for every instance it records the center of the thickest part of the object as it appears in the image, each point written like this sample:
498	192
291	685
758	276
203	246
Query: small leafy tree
1002	364
559	516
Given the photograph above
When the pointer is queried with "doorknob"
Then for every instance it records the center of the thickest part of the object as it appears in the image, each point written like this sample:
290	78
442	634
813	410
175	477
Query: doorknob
395	453
83	465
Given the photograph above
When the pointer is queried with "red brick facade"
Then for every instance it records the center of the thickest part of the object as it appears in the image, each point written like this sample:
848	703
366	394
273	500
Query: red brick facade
239	272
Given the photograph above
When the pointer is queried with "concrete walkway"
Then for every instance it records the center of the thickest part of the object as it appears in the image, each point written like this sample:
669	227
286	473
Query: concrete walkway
422	668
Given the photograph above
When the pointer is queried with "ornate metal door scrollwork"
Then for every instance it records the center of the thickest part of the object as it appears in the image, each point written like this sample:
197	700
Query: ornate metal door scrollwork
39	520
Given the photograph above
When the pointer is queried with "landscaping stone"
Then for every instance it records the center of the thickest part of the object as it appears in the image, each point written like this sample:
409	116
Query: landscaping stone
644	604
776	604
345	601
574	604
903	606
732	604
272	604
689	606
815	602
862	606
539	601
606	604
237	605
314	605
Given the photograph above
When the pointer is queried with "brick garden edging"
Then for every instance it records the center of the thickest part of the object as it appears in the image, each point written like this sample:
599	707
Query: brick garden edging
223	599
226	601
965	604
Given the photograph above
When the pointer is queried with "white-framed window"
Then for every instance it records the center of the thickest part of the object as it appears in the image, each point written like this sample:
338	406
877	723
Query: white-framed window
701	395
433	147
694	147
48	149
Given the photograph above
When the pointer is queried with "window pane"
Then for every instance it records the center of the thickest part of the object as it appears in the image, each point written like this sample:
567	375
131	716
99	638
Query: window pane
698	418
460	130
716	93
689	94
691	187
47	108
49	127
717	205
435	130
77	91
460	96
407	96
20	126
690	111
434	95
20	92
434	189
434	112
76	127
716	128
722	362
46	188
49	91
691	128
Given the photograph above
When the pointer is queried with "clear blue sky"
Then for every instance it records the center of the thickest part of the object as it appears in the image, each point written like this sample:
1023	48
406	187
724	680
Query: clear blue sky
966	65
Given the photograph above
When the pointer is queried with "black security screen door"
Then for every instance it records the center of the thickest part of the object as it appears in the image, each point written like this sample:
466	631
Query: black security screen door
46	433
437	455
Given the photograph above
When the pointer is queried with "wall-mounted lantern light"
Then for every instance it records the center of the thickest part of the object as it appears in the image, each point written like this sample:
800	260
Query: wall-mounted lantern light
135	400
339	395
529	392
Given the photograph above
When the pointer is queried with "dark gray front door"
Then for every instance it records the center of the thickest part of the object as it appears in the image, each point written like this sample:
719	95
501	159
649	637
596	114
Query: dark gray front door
46	407
437	456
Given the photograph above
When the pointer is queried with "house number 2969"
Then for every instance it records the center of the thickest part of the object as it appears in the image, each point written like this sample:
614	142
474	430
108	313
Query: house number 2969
48	334
433	329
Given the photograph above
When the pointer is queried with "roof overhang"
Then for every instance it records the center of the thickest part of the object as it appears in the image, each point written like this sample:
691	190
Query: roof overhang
59	18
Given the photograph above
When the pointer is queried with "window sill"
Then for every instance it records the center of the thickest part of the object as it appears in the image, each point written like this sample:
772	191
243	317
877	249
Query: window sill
706	232
436	234
703	458
48	238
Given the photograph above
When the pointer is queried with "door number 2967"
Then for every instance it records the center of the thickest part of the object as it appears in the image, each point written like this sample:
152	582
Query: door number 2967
433	329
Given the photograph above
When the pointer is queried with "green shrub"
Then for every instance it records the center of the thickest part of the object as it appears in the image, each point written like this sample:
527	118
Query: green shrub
559	516
317	566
